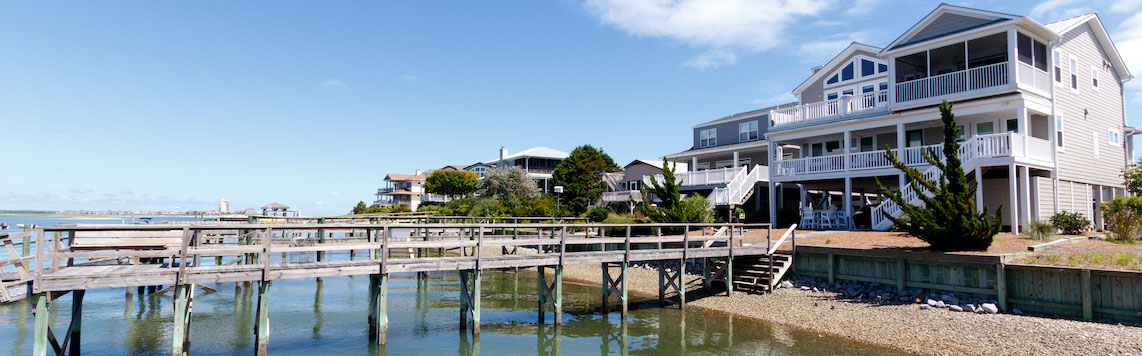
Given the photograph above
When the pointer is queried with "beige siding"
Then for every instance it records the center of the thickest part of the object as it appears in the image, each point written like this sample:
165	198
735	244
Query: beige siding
1089	113
1044	197
995	192
1075	197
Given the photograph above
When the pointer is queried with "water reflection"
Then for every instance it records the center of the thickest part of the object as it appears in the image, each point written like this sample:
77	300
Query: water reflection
330	317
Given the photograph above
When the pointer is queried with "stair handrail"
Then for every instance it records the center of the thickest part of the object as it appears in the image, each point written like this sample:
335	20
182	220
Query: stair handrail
773	248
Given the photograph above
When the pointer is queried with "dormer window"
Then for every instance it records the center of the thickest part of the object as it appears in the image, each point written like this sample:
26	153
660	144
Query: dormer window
867	68
847	73
747	131
708	138
833	79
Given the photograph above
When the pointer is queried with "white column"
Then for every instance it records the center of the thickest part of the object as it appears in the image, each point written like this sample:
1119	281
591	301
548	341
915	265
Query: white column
847	203
735	160
1013	202
694	163
847	150
979	189
1012	57
900	149
803	196
1025	187
1024	128
772	187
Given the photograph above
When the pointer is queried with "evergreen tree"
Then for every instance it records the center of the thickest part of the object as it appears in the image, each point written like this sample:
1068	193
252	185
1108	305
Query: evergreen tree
360	208
581	175
671	206
949	220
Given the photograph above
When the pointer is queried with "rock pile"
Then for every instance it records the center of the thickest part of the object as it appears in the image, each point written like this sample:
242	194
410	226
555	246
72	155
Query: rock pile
883	293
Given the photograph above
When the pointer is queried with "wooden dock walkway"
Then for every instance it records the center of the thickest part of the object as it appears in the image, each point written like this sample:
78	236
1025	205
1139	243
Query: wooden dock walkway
74	258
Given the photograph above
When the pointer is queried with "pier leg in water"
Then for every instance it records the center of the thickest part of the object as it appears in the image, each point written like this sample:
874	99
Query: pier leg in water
262	323
551	294
470	300
547	340
43	319
668	281
618	285
180	344
378	307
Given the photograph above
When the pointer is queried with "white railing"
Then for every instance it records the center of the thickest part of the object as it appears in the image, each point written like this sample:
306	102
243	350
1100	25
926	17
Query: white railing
840	107
739	187
621	196
1008	144
709	176
955	82
977	147
1035	78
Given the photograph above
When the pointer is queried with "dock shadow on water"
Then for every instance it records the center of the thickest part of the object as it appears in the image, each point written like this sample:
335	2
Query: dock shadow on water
330	317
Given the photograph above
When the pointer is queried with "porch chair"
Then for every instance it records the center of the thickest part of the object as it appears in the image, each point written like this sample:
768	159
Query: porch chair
808	218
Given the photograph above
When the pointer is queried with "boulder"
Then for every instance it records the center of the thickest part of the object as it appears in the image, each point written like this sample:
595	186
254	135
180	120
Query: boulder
989	308
956	308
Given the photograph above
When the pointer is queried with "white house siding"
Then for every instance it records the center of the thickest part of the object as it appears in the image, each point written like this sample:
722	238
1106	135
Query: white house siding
1103	111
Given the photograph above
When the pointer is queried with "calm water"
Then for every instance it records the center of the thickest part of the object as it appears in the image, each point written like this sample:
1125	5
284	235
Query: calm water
307	316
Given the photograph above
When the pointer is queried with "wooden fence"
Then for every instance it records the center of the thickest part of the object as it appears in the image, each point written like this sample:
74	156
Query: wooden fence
1065	291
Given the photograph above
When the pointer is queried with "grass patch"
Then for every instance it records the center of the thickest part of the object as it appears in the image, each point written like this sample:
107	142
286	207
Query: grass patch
1120	260
1126	242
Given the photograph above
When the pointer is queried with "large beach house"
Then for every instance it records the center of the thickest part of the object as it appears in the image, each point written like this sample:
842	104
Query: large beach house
538	162
1040	107
406	190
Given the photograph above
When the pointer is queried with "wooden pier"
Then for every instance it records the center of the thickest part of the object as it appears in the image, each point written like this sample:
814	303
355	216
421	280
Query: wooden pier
71	258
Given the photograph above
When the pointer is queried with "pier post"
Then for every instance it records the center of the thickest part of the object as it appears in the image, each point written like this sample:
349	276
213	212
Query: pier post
180	344
470	299
73	330
320	239
378	307
617	285
43	319
262	323
551	294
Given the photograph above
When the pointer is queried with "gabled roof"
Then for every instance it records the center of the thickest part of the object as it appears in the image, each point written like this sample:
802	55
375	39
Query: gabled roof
655	164
275	206
404	177
454	167
743	115
1061	27
819	72
537	152
948	19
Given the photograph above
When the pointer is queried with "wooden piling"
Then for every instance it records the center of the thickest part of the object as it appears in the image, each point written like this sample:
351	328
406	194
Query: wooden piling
180	344
262	319
378	307
43	319
73	330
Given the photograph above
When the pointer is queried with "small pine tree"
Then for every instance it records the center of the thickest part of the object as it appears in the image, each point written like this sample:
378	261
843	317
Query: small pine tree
671	206
948	221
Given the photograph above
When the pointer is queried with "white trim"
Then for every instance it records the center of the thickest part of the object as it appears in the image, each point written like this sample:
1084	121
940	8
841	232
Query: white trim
1060	131
1073	69
1057	65
1094	77
708	137
755	131
1114	137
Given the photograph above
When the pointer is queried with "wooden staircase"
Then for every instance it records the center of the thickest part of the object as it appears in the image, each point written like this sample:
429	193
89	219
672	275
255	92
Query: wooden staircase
754	273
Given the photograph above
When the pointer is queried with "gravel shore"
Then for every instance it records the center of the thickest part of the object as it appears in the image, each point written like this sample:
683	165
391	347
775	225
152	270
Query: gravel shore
901	326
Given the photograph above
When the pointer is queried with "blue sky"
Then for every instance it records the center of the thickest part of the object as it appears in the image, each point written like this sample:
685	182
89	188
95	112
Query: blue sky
158	105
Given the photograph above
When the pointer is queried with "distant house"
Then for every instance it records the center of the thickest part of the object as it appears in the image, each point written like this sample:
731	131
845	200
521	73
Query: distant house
277	209
538	162
407	190
479	168
623	187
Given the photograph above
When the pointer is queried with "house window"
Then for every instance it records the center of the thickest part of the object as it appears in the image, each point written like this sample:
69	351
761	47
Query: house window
847	73
1074	73
1059	130
867	144
832	146
1058	63
1094	77
743	162
747	131
881	68
1032	52
985	128
867	68
702	166
708	137
832	79
1013	125
816	150
915	138
1114	137
724	164
961	133
831	96
867	89
847	92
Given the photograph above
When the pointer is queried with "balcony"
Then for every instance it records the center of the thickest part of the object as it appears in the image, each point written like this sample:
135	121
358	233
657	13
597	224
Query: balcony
844	106
1002	145
988	76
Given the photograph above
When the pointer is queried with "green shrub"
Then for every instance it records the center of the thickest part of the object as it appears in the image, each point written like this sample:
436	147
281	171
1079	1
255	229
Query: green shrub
613	218
695	209
1123	217
1070	223
1039	230
598	213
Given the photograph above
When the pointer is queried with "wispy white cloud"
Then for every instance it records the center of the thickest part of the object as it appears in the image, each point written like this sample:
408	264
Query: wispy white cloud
825	48
860	7
710	59
1128	38
334	193
1124	6
720	27
1052	10
335	83
81	190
